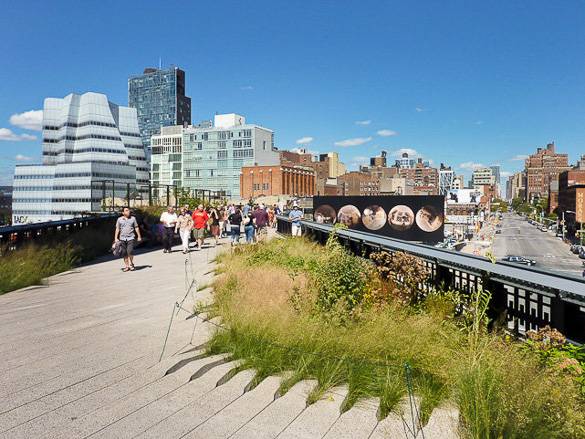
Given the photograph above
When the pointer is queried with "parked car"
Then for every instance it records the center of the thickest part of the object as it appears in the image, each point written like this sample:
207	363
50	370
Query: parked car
574	248
519	260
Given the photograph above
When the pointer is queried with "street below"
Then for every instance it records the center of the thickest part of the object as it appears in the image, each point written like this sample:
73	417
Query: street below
519	238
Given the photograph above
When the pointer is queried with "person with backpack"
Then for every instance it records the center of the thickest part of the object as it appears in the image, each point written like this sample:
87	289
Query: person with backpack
127	232
235	220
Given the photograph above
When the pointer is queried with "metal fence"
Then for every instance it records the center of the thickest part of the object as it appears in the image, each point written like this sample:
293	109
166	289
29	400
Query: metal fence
526	298
13	237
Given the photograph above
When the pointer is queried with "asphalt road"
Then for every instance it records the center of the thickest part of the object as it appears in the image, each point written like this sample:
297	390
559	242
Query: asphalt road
519	238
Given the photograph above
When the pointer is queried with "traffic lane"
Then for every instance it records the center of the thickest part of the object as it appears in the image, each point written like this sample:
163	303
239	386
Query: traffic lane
520	238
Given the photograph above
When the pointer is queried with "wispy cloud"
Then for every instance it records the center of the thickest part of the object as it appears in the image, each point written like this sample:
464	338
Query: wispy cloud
304	140
29	120
387	133
411	152
22	158
420	109
7	135
519	157
470	165
505	173
352	142
363	122
246	87
479	122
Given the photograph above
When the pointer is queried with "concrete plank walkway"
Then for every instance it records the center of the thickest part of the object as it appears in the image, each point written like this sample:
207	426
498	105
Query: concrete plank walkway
80	358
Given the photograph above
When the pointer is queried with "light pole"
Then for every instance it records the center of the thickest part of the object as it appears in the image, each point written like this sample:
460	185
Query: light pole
563	221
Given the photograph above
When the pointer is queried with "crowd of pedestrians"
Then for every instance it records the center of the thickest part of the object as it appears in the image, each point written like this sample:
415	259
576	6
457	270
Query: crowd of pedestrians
248	223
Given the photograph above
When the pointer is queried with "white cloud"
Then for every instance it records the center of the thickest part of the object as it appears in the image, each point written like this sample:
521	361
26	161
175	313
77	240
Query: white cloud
479	122
505	173
246	87
420	109
22	158
305	140
363	122
352	142
470	165
29	120
387	133
519	157
7	135
411	152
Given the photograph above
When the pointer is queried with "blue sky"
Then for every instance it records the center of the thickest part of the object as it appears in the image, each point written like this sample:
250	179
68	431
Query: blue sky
459	82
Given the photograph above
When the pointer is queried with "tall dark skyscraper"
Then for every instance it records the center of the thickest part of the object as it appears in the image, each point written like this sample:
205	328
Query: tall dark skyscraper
159	98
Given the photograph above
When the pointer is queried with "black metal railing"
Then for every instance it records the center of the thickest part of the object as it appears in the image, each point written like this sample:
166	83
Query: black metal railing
13	237
527	298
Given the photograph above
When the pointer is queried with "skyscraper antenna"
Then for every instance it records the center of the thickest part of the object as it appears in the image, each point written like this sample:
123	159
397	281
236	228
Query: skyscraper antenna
159	63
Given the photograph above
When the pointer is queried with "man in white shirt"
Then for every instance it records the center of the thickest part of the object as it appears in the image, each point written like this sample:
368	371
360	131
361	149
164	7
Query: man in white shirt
169	221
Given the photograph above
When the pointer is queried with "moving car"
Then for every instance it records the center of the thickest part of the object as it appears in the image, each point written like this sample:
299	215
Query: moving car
519	260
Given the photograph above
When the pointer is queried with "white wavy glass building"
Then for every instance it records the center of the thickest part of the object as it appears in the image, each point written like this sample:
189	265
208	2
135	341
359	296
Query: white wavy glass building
86	140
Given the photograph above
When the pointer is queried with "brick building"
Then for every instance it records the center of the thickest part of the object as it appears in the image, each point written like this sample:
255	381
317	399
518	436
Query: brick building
571	199
541	168
421	179
357	183
284	179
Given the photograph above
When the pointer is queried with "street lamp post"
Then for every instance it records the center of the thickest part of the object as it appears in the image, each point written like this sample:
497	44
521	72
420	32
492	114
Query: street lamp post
563	221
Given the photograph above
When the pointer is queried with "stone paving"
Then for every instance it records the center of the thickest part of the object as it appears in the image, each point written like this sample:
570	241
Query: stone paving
79	358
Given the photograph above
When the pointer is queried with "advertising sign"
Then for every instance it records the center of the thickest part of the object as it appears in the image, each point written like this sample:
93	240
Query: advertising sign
412	218
464	196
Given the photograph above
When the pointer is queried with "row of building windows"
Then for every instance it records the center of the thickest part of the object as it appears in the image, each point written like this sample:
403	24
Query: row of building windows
243	153
265	186
78	125
49	188
163	149
82	150
57	200
135	157
87	136
74	174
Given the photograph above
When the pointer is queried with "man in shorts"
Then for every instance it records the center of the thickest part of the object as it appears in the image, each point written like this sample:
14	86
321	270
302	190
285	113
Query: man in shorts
260	222
127	232
295	216
200	218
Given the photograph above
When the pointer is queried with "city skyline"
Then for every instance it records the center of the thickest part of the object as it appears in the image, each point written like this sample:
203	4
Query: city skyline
458	85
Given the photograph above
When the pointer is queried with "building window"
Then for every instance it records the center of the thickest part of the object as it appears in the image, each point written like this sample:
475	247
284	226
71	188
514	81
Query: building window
264	145
199	145
221	145
237	143
222	154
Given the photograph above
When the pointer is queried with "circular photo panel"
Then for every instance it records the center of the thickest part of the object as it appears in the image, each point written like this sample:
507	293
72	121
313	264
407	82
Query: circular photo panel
349	215
401	217
374	217
429	219
325	214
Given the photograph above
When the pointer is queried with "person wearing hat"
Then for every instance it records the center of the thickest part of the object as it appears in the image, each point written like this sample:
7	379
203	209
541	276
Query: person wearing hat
296	215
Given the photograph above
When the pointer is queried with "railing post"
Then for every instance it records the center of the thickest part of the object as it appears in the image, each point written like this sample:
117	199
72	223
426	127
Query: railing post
168	196
128	194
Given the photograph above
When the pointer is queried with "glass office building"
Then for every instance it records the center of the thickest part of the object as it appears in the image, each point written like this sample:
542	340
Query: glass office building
159	98
213	156
86	140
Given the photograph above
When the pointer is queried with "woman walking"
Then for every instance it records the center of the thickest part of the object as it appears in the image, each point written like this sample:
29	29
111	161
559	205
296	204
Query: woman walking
214	223
184	226
235	220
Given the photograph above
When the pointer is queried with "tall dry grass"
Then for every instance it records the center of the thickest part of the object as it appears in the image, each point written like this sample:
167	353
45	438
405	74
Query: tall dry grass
267	299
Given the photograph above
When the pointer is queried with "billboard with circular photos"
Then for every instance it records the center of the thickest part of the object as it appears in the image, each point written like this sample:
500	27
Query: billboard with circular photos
411	218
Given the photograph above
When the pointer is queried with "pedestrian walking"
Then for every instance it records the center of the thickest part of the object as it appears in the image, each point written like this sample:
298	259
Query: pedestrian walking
235	220
214	223
200	218
249	228
168	220
261	220
126	234
295	215
222	221
184	226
